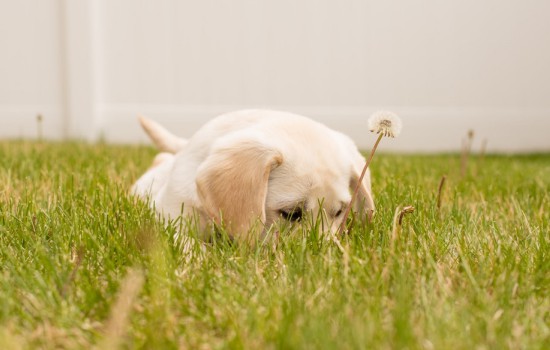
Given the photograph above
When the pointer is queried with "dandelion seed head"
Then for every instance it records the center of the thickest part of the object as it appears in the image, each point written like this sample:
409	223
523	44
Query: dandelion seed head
385	122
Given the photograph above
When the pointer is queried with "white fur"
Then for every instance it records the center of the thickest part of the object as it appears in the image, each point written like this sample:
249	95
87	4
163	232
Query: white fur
250	165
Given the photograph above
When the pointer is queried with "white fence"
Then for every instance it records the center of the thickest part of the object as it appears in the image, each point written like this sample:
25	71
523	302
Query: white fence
89	67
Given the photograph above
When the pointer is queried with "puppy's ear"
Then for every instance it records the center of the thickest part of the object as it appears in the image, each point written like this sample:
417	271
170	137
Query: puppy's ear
364	204
232	184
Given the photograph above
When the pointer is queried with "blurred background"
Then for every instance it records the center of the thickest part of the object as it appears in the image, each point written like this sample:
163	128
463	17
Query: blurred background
88	67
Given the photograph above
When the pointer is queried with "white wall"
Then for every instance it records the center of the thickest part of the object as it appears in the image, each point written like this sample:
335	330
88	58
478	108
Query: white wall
445	66
31	67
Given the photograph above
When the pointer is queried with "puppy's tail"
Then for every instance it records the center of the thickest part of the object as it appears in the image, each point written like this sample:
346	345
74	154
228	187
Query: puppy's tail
162	138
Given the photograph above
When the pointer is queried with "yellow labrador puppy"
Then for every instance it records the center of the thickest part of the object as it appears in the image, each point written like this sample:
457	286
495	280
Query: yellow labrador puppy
254	166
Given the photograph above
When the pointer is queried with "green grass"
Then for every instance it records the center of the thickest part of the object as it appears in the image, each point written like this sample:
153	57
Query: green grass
475	274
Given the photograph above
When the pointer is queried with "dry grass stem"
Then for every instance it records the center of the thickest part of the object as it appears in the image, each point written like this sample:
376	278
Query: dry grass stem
440	191
407	210
398	219
466	149
39	127
397	223
77	258
115	328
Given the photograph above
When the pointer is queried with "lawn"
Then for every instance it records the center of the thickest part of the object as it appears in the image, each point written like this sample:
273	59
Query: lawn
84	264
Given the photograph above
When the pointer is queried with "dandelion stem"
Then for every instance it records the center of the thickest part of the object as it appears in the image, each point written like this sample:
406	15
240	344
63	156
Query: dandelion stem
356	190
